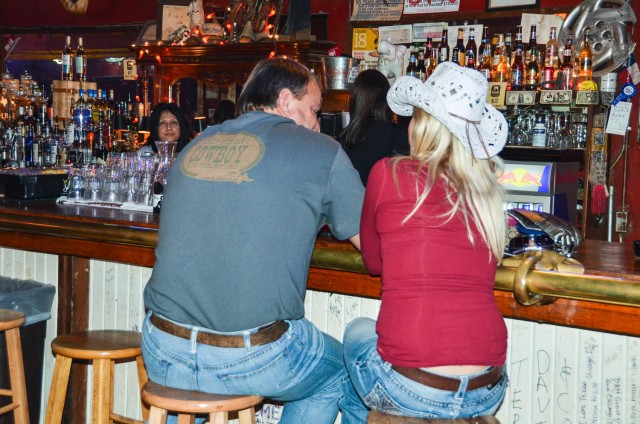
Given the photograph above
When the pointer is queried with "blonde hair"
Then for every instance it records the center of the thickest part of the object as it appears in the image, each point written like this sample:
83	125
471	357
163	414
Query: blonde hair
472	186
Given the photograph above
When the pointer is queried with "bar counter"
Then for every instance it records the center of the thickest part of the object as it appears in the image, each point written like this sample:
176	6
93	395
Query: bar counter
605	298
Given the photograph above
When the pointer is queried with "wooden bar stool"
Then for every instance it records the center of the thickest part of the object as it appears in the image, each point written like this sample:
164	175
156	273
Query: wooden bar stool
187	403
10	322
104	348
376	417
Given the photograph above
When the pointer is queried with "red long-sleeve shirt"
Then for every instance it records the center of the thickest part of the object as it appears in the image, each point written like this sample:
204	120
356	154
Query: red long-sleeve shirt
437	288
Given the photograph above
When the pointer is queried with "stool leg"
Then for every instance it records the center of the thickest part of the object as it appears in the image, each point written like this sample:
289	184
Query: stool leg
247	416
16	376
142	378
58	392
102	391
187	419
157	415
218	418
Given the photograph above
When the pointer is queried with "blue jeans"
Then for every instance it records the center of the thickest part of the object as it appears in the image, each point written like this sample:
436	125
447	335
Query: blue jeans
304	369
375	385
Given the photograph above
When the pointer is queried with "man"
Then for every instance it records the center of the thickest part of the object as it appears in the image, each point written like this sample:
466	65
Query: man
239	220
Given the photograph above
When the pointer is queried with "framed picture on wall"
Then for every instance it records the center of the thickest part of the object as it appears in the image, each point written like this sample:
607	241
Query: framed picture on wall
147	34
172	14
511	4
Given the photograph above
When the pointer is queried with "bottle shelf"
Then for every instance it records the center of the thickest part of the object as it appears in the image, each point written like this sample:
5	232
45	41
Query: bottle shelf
543	154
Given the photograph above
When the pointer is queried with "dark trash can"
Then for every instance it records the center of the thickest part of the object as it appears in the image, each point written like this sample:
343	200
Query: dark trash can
33	299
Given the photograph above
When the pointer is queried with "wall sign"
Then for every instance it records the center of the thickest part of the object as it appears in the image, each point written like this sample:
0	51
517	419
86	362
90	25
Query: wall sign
430	6
376	10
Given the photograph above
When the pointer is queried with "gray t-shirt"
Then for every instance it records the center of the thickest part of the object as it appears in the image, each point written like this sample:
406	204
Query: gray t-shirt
239	219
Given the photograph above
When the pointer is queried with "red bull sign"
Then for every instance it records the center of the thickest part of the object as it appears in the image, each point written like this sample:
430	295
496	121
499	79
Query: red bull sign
530	177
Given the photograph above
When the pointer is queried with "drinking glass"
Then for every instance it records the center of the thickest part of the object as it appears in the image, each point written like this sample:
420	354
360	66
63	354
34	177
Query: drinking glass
112	185
91	174
76	183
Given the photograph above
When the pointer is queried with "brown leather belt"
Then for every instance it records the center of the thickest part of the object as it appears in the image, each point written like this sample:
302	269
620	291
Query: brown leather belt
449	384
264	335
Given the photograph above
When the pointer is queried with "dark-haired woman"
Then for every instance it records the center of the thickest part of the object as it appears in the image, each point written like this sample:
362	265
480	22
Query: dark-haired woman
168	123
371	134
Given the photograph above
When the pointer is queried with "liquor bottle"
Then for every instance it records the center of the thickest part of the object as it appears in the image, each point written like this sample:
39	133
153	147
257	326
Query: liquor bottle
443	47
421	69
67	61
566	70
484	45
459	49
539	136
20	146
81	62
51	136
412	66
585	60
471	51
28	147
551	61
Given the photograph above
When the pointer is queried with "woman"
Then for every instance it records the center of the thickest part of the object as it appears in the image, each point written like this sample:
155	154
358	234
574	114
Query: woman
433	227
168	123
371	135
226	110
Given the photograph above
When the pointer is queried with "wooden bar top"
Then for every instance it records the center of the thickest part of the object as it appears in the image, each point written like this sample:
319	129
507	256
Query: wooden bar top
606	297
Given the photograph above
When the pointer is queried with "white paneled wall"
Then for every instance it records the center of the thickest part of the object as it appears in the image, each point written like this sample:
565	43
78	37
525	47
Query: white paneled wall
558	375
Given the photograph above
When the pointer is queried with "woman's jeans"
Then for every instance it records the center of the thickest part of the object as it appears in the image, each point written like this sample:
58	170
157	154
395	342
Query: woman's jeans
304	368
375	385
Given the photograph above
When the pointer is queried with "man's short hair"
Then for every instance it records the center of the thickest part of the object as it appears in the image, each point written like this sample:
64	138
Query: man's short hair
268	79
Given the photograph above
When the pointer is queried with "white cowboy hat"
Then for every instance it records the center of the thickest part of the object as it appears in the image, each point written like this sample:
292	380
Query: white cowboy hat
457	97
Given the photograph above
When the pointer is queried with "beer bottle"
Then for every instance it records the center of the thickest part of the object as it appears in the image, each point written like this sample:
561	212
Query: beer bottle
421	70
566	70
500	72
67	61
497	50
532	71
459	55
484	45
508	48
433	61
550	70
412	67
532	48
443	47
517	67
81	62
471	51
585	61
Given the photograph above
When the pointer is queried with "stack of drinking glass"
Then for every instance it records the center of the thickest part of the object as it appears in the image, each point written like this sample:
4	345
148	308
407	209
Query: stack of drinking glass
124	181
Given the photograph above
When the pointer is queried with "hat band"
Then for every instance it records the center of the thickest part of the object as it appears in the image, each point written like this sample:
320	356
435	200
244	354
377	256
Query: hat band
475	125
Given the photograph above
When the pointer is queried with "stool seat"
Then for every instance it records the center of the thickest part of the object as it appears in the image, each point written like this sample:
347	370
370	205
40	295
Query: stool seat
103	348
376	417
98	344
10	322
10	319
162	399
